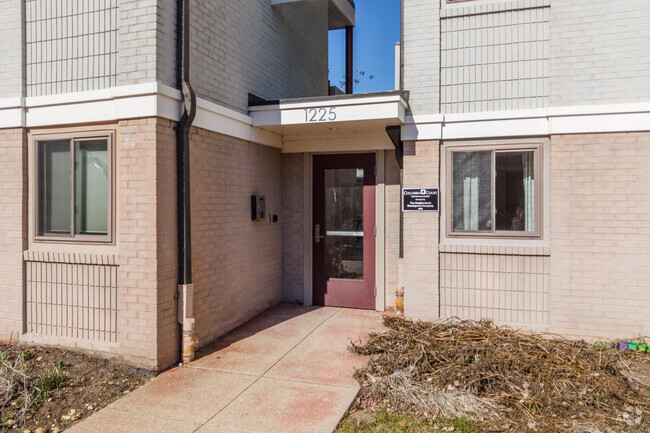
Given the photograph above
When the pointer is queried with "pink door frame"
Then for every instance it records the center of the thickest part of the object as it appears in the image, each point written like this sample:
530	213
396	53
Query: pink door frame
336	291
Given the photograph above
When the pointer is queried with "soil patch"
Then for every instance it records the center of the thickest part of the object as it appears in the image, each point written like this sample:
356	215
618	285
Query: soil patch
503	379
61	386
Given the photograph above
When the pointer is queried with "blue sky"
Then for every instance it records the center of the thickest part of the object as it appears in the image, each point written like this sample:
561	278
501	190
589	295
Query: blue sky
377	29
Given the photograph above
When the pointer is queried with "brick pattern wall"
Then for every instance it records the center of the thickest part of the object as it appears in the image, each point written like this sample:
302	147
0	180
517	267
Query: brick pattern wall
272	52
600	52
421	48
421	234
70	46
11	43
13	212
600	232
237	263
292	227
495	60
505	284
71	295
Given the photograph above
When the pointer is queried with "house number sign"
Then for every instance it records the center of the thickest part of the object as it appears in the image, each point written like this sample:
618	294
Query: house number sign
320	114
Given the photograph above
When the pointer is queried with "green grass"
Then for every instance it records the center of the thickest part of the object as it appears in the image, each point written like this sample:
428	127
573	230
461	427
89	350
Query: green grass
462	425
384	422
50	381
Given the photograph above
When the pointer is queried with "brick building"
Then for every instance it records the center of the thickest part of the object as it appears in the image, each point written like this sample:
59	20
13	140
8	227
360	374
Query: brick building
531	119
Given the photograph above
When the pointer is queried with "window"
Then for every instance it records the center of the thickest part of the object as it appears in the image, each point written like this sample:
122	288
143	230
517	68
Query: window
494	191
74	187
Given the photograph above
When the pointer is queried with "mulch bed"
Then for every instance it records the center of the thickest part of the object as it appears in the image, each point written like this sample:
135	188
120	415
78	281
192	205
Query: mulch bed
507	380
63	387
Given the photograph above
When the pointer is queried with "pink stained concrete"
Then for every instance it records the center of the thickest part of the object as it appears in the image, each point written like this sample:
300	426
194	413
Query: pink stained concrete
109	420
185	394
274	405
287	370
329	344
256	346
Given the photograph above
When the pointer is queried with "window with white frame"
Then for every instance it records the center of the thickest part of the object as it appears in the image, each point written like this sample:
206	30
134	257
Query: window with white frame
74	187
494	190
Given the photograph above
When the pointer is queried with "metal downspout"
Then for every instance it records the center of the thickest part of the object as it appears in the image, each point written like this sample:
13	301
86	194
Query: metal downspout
395	134
185	286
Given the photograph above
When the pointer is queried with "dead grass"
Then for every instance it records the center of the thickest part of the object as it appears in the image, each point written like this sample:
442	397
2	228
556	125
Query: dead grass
509	380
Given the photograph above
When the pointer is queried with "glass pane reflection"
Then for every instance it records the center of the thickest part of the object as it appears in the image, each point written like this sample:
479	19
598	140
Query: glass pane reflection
344	223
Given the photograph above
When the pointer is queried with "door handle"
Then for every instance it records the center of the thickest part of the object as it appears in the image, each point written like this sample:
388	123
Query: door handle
317	235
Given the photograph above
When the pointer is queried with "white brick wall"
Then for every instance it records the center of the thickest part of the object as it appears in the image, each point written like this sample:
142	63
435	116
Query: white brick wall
166	42
137	41
11	58
242	47
421	45
600	52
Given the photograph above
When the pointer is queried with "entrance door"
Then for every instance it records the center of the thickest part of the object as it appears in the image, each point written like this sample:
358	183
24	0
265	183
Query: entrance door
344	230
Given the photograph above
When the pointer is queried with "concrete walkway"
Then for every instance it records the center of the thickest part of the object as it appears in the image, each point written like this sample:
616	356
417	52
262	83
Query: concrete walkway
287	370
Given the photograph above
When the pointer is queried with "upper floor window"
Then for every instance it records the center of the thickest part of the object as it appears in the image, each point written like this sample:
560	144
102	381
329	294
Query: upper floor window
495	191
74	185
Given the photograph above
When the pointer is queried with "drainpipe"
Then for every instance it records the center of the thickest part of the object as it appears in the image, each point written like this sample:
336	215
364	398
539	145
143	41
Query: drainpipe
395	134
185	287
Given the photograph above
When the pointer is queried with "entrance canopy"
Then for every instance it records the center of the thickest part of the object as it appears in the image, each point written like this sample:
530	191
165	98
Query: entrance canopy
341	12
360	119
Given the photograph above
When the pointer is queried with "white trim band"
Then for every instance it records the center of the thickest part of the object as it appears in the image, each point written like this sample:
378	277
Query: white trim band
634	117
158	100
128	102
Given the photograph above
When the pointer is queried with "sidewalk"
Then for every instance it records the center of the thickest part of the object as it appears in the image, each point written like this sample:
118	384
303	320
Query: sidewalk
287	370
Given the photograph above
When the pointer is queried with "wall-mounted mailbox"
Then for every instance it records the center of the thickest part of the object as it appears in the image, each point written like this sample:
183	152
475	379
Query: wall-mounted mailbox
258	207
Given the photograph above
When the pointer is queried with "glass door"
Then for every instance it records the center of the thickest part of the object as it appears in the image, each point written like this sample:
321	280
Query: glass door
344	230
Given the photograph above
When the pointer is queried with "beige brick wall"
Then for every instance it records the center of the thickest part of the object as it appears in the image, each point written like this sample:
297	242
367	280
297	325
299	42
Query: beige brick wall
293	254
146	236
600	233
393	197
167	244
507	284
421	298
237	263
13	210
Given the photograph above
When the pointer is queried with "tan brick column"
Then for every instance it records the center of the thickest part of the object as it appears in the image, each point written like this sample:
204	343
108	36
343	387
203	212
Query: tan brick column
420	270
13	230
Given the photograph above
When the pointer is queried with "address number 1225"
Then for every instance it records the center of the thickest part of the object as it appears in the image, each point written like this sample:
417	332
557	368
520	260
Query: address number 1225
320	114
